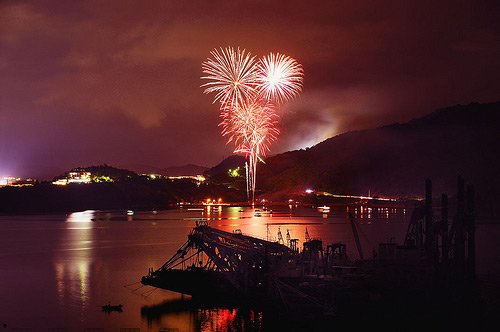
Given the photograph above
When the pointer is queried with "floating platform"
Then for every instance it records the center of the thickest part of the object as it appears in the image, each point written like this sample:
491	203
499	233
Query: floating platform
321	279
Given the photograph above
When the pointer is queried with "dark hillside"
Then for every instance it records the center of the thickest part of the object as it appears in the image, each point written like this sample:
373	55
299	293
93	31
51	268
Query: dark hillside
396	159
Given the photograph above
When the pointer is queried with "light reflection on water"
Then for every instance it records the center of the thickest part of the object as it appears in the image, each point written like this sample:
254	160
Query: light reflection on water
168	317
81	217
91	255
73	260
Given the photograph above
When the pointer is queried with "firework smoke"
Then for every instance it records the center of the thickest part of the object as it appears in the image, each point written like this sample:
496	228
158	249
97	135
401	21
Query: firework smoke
249	93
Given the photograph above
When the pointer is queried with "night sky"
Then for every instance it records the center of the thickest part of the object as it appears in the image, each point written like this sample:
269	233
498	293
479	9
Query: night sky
91	82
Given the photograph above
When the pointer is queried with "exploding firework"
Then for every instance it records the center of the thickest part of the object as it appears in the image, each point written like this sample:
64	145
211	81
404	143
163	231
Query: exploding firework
231	74
279	77
253	126
248	92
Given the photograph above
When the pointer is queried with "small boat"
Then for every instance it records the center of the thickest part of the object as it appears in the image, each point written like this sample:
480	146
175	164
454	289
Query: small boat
324	209
109	308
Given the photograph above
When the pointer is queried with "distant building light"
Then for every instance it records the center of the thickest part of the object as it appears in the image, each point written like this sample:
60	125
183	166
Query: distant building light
102	178
12	181
60	182
74	177
79	177
199	178
234	173
309	191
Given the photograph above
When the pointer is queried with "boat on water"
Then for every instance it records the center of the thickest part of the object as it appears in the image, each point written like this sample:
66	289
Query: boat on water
324	209
224	265
217	263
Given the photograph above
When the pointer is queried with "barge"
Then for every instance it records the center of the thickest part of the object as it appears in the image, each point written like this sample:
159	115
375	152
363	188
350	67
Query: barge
435	266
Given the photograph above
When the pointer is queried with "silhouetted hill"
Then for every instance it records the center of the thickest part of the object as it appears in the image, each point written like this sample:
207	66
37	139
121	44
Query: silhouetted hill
142	168
122	189
189	169
396	159
235	179
230	162
117	174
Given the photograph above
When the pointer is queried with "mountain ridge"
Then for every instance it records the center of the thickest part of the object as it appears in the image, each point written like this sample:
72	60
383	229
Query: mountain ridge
396	159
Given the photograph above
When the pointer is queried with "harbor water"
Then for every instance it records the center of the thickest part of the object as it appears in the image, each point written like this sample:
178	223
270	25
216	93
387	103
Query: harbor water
58	270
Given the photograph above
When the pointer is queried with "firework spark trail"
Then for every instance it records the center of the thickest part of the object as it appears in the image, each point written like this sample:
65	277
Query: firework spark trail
252	126
248	93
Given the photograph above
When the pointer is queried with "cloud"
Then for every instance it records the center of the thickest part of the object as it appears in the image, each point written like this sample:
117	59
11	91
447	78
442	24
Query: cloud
21	21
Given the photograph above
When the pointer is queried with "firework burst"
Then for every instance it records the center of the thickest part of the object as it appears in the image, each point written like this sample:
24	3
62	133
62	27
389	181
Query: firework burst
279	77
231	74
249	92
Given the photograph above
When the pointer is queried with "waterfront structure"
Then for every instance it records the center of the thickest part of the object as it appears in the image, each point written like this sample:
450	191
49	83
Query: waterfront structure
435	255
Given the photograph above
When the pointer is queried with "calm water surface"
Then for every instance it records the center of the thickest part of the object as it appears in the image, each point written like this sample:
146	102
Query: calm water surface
56	271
